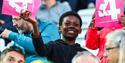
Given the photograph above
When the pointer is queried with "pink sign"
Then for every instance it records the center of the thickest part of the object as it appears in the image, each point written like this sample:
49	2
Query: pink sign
15	7
108	12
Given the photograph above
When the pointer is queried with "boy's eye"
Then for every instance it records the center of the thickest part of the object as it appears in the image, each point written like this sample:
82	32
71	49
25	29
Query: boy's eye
76	24
67	23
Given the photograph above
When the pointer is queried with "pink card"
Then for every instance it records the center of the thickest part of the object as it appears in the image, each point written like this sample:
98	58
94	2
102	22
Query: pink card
15	7
108	12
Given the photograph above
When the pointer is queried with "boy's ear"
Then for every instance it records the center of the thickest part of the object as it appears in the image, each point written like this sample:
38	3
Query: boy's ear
80	30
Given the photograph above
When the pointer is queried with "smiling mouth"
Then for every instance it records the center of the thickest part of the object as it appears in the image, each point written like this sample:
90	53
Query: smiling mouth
71	32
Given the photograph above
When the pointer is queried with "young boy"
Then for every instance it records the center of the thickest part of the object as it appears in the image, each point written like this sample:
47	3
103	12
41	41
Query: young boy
61	50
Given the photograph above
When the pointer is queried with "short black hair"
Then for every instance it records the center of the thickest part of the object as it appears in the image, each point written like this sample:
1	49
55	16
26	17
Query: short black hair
69	13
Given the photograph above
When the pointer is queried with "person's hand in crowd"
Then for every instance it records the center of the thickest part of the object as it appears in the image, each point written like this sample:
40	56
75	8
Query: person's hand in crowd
1	27
27	17
1	22
92	24
5	33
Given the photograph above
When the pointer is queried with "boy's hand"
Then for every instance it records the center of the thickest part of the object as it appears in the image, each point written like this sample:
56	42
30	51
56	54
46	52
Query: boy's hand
27	16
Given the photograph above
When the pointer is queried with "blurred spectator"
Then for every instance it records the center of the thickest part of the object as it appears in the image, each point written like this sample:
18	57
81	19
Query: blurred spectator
48	30
85	57
77	4
7	22
25	30
122	20
12	55
51	10
91	5
115	46
96	39
91	1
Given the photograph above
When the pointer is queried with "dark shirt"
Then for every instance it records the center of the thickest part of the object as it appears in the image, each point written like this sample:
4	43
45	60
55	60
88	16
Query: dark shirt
57	51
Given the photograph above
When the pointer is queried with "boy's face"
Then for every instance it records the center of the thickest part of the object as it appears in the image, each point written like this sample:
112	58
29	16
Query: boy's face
70	27
13	57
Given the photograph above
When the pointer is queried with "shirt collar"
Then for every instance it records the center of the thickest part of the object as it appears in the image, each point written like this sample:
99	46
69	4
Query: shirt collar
63	42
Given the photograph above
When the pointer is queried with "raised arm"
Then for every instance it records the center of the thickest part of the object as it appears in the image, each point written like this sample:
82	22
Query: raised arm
38	43
92	37
26	16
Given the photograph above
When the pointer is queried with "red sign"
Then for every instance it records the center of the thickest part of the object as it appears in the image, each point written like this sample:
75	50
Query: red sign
15	7
108	12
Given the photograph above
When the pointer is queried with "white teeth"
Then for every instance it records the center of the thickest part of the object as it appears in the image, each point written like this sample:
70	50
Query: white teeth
71	31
